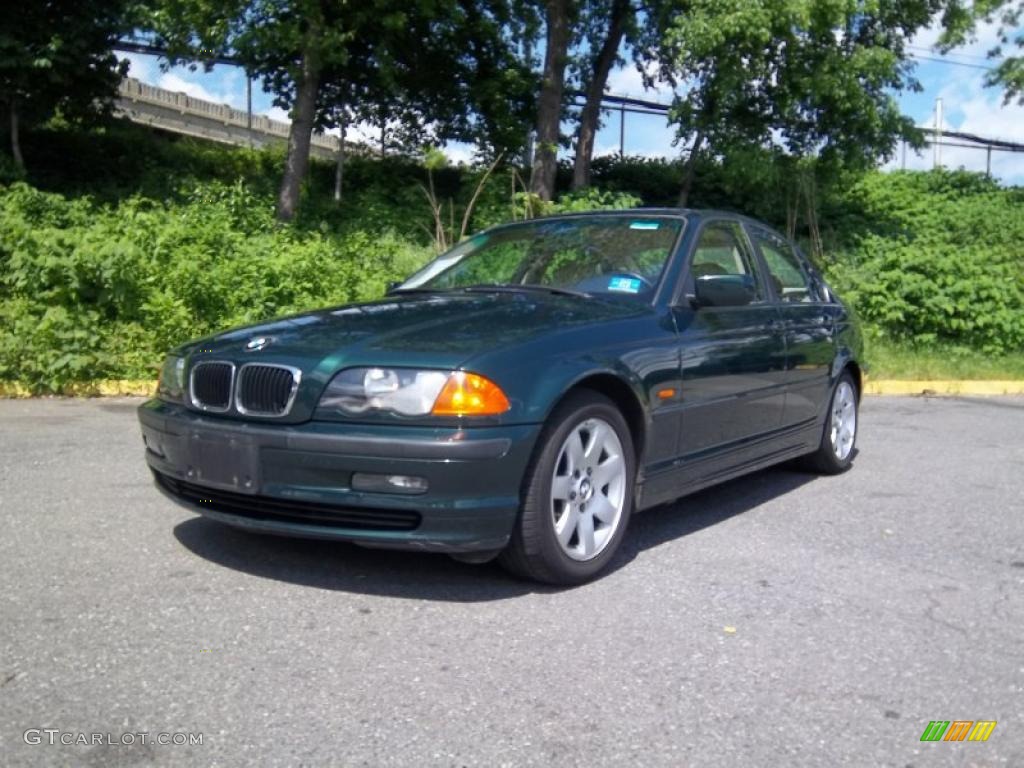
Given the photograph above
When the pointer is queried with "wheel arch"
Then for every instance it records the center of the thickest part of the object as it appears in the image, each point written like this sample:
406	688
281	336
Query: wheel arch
847	361
858	376
624	396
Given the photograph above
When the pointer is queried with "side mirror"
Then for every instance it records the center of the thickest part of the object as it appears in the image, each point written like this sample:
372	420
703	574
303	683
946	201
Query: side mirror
725	290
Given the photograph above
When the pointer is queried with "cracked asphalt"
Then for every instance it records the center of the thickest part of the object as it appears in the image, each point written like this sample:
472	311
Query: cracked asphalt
781	619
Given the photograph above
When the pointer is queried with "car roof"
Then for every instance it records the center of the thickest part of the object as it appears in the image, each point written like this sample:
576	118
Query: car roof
685	213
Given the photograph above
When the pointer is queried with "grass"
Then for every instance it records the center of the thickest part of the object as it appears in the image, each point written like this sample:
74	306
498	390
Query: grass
890	361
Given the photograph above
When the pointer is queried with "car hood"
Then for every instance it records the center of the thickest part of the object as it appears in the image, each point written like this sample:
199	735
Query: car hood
443	330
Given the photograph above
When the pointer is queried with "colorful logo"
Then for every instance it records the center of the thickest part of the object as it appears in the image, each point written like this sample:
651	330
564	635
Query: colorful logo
958	730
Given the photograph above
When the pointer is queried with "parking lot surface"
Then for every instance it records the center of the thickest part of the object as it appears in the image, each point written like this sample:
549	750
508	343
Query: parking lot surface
782	619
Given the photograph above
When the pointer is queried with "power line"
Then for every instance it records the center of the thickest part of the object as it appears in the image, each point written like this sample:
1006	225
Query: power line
654	106
952	63
130	46
955	54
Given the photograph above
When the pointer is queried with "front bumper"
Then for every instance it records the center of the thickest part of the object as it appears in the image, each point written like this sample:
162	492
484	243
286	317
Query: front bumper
295	480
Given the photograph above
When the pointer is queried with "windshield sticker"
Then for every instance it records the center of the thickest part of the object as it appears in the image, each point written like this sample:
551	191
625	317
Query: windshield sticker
624	284
644	225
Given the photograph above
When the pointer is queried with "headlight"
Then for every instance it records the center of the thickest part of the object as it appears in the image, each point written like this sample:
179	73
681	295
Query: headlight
172	379
413	393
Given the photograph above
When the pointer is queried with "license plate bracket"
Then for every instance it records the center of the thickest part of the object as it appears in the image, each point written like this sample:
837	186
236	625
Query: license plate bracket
223	461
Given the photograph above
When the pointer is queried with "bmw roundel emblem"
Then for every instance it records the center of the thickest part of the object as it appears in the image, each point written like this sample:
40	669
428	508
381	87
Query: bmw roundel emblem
255	345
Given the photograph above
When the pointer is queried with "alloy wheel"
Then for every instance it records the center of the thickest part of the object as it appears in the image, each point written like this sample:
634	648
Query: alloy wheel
844	420
588	489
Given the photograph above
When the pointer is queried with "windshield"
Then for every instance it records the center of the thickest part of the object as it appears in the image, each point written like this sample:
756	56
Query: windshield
614	255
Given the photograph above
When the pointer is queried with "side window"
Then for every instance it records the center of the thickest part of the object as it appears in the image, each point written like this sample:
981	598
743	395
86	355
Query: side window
722	250
784	270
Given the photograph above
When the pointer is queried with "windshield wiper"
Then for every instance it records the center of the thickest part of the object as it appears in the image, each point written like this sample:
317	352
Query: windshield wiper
523	288
408	291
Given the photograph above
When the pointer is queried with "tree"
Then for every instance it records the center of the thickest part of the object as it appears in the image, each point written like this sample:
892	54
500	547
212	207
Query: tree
286	43
815	78
433	70
599	64
445	73
55	55
558	18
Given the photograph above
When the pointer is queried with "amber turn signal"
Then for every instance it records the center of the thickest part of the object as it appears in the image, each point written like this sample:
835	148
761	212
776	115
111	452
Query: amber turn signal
466	394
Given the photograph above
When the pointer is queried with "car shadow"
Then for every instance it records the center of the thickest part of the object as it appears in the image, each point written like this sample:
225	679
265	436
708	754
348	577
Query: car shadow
424	576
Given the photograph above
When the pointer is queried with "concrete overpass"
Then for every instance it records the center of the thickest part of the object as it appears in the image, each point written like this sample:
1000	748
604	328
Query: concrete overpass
180	113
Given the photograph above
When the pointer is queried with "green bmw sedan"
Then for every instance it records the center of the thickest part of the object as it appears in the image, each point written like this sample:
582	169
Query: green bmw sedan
522	395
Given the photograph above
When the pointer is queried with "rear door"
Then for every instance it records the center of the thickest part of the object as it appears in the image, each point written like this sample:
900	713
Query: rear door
808	326
732	358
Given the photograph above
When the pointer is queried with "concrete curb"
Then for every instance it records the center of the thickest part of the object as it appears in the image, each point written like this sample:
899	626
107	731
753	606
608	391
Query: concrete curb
101	388
949	387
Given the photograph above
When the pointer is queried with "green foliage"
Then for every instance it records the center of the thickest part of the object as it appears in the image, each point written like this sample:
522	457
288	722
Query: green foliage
118	159
934	258
101	272
441	69
818	76
92	291
56	55
593	199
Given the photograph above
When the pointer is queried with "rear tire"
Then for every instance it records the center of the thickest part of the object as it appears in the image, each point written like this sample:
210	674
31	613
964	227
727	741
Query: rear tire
577	494
839	434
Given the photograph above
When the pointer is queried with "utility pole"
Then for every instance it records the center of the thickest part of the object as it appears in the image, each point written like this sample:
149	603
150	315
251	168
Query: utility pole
248	105
622	130
937	136
339	166
988	161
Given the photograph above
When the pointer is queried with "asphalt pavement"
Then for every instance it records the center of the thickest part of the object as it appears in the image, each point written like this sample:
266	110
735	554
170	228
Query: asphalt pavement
779	620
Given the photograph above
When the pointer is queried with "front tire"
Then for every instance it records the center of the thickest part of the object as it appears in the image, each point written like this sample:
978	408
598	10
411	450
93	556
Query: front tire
577	494
839	436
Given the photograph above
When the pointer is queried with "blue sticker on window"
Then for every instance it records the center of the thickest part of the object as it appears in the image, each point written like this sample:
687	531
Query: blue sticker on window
624	284
645	225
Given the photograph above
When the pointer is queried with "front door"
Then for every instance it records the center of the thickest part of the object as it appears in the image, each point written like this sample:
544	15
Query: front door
732	358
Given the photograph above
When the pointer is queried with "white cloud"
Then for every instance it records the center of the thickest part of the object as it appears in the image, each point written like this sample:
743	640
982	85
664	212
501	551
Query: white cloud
971	108
141	67
172	82
276	113
986	37
460	153
968	106
628	81
984	114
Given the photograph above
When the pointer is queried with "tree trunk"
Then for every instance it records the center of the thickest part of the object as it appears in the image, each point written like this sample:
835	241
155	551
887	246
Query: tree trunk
691	167
591	113
811	198
296	164
549	108
19	161
339	168
792	212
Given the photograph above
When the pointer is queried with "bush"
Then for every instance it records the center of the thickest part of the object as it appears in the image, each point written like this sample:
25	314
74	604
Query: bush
123	242
935	258
90	291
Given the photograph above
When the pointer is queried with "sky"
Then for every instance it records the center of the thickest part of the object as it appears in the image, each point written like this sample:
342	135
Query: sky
957	79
